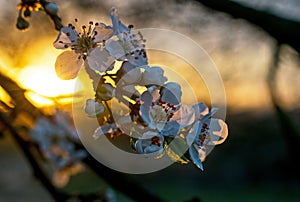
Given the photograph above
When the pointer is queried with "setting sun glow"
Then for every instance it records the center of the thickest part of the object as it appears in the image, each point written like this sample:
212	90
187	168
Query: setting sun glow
43	87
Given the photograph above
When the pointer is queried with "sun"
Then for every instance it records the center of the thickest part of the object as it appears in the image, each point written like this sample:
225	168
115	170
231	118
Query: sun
38	77
44	86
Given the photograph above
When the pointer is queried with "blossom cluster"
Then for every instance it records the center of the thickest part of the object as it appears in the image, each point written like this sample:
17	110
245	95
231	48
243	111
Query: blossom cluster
56	140
156	116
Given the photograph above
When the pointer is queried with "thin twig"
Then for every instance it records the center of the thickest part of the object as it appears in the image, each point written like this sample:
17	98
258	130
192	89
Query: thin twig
54	17
119	182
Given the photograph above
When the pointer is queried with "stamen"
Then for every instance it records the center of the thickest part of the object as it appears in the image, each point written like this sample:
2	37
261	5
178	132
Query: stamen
155	141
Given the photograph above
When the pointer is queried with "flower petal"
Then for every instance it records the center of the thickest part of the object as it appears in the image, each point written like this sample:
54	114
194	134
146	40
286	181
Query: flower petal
118	26
102	130
149	96
131	74
154	76
171	93
67	36
137	59
218	132
67	65
200	109
185	116
195	157
93	108
102	32
171	128
99	60
144	145
193	133
115	49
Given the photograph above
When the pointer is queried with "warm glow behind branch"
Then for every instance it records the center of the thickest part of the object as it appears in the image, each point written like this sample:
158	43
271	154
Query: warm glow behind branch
39	76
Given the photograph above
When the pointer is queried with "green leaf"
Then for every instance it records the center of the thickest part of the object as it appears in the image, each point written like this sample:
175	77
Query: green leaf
176	150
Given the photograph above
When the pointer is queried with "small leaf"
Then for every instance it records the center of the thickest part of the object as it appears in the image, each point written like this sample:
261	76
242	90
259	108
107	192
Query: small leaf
176	150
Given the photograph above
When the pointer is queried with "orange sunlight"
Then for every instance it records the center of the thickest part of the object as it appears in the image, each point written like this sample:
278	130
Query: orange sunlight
39	78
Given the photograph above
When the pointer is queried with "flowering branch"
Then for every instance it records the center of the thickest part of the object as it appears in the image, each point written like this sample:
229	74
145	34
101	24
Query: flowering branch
27	6
115	179
51	10
157	121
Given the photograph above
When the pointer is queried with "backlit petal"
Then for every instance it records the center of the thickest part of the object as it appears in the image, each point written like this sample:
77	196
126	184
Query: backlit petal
115	49
67	65
195	157
102	33
67	36
118	26
171	93
218	132
99	60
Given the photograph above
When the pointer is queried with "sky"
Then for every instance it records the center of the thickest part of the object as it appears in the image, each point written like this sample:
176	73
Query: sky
240	51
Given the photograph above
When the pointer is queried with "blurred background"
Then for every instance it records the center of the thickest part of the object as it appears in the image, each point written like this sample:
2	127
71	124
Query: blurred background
258	161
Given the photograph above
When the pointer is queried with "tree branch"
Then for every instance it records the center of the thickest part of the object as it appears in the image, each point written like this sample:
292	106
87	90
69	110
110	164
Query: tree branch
119	182
38	172
54	17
